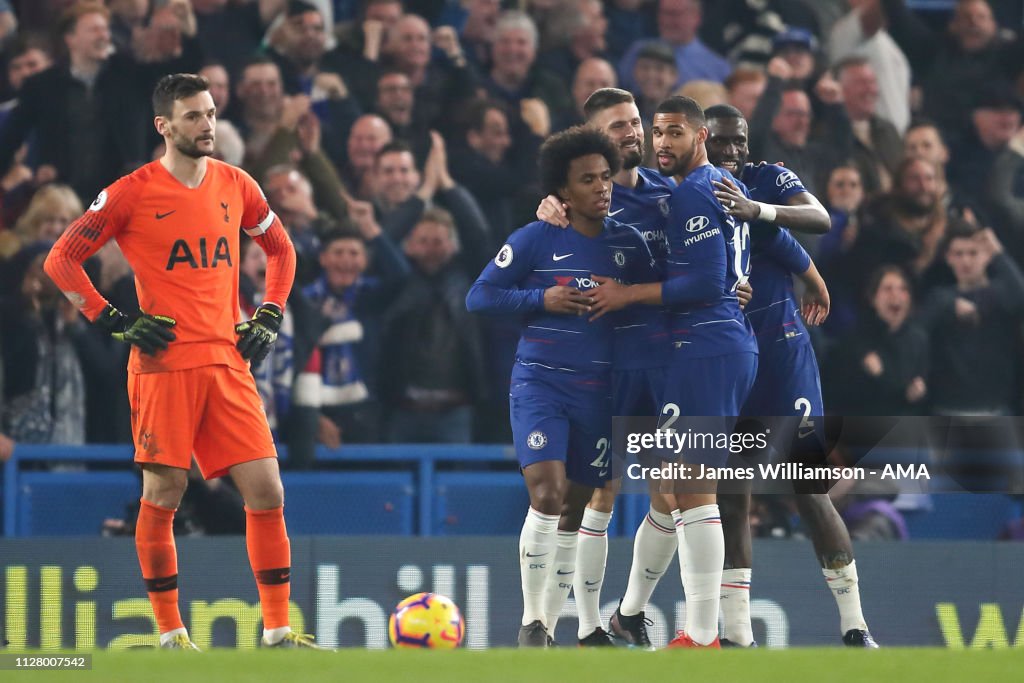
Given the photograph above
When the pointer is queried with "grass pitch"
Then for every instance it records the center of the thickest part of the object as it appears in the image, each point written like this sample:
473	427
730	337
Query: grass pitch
552	666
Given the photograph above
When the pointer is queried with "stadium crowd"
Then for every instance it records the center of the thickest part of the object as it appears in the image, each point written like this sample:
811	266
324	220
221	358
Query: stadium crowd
397	142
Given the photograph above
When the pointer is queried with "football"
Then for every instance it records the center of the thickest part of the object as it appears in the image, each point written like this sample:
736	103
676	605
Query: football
426	621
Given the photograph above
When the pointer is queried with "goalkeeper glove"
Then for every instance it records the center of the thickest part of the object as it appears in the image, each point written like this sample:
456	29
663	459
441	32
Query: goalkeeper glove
257	336
150	333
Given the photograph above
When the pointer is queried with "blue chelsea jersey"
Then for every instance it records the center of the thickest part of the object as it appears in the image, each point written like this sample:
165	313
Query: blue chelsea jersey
641	334
540	255
774	312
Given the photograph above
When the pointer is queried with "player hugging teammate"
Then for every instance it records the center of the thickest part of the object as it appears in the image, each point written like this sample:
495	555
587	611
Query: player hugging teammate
682	346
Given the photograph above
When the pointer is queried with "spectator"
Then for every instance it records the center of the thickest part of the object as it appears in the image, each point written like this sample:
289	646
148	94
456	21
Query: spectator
433	356
277	378
633	20
230	33
996	120
127	18
799	48
952	68
360	43
290	195
655	74
881	367
745	87
876	142
904	227
862	33
924	139
24	57
48	354
477	32
229	145
742	30
706	93
678	21
844	196
515	78
103	94
401	198
781	131
1006	197
975	328
368	136
396	104
498	174
592	74
275	128
439	83
51	210
351	294
578	30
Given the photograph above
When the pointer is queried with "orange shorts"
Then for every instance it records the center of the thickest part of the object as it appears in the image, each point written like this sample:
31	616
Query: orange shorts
212	411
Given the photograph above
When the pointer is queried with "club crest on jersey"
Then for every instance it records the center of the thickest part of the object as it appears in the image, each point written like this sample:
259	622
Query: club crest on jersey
99	202
504	257
697	223
537	440
620	258
664	207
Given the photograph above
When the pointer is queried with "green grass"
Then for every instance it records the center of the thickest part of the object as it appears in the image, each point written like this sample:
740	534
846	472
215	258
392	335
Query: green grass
553	666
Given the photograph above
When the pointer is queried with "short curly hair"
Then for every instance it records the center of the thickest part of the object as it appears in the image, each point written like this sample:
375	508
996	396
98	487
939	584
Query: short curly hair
558	152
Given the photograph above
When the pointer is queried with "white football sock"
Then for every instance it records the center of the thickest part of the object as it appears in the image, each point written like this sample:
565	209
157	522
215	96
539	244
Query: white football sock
702	582
537	545
845	589
677	521
560	579
653	548
591	556
735	604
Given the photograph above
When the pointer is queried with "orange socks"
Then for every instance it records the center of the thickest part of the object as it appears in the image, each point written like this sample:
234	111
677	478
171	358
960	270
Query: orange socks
154	541
270	556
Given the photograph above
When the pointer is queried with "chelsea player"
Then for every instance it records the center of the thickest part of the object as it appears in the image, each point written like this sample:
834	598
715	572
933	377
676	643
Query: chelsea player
714	360
787	384
560	402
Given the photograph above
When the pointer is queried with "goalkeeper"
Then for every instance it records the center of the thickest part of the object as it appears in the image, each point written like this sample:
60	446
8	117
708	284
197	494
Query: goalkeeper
178	221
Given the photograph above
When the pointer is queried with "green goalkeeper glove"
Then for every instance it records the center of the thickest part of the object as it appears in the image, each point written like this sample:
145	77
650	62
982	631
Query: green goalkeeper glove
257	336
150	333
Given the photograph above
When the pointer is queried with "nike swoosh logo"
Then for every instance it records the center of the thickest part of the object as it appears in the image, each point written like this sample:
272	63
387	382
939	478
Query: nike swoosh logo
537	555
591	583
602	473
803	435
161	216
651	571
561	573
556	257
616	212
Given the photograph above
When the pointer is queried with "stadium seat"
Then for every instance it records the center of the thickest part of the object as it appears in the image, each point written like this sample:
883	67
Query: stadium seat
349	502
72	503
481	503
967	516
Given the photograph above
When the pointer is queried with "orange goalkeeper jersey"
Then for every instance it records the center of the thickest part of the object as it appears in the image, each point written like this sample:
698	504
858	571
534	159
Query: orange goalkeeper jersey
182	243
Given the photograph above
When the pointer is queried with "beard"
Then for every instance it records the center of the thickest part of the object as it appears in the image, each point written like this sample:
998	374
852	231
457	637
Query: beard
631	160
190	148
